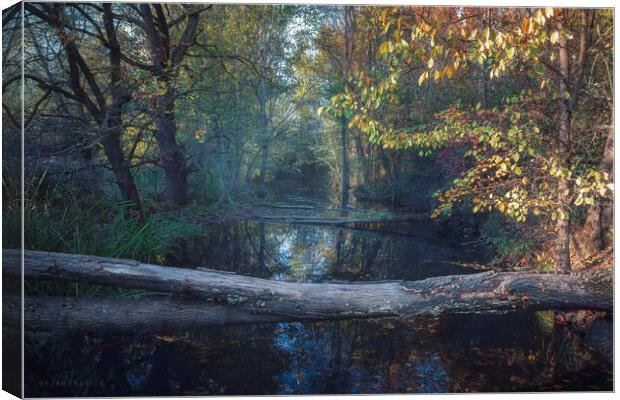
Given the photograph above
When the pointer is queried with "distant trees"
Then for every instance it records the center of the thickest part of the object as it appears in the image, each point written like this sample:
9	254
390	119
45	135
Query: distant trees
349	44
134	69
268	86
257	83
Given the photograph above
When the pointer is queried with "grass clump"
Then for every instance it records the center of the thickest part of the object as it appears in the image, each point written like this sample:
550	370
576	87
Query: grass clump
58	220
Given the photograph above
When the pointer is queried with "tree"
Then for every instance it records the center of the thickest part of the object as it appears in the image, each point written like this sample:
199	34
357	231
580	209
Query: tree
166	60
105	110
520	166
349	48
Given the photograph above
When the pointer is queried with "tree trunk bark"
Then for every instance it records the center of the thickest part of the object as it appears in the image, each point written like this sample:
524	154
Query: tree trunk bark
392	173
167	57
172	157
344	143
124	179
104	314
363	159
476	293
564	146
349	44
600	216
264	157
107	114
263	96
111	140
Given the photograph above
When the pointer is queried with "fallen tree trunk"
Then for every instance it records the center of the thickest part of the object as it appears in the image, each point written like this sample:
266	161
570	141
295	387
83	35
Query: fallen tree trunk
341	221
310	208
109	314
476	293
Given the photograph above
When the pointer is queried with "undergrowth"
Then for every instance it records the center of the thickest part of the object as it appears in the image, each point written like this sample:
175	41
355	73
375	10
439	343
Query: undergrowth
55	219
517	246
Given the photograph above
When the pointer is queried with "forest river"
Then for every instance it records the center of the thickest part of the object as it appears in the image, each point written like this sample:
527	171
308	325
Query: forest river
456	353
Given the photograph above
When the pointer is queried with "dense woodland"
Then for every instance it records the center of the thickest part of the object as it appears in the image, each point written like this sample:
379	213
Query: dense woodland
144	121
306	199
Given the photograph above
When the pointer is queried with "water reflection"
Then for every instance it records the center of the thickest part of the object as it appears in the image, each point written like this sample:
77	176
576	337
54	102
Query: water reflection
456	354
315	253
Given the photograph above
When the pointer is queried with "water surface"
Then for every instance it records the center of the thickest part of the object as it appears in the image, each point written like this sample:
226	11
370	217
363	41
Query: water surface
457	353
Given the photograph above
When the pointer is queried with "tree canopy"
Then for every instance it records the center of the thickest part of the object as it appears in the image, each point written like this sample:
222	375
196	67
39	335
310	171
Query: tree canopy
501	114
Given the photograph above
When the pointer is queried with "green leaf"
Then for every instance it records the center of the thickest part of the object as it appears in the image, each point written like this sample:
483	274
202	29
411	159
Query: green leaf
510	52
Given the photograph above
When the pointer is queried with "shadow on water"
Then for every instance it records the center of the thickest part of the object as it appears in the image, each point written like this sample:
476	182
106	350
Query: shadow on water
462	353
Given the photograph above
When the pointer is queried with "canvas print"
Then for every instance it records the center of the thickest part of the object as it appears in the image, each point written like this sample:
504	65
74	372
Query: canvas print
293	199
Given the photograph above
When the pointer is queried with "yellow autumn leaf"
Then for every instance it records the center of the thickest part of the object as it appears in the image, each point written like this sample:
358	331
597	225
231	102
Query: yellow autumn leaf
423	77
555	36
449	71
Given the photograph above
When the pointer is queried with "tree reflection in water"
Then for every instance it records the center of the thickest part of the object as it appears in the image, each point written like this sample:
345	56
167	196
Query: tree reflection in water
456	354
317	253
464	353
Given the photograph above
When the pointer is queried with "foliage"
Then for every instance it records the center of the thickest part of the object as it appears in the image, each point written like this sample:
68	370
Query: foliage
520	166
515	167
91	228
502	111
